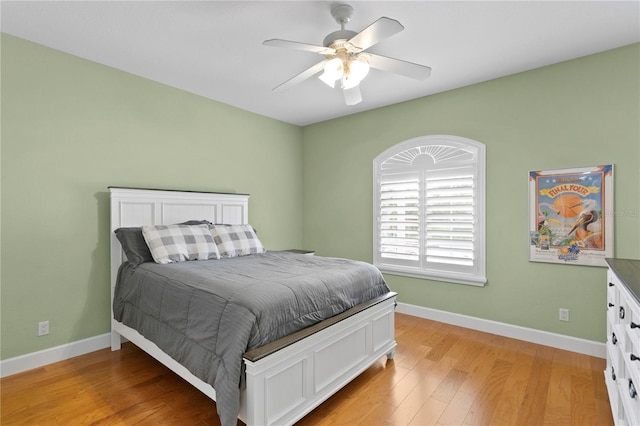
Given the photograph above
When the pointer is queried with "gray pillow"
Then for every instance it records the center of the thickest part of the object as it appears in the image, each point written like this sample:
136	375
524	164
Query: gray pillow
134	245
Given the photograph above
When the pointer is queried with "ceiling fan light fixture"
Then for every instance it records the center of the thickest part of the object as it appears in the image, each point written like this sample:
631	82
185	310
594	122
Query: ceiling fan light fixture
333	70
357	70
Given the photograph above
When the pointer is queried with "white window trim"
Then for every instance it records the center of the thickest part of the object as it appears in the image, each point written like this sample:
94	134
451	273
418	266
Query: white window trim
477	277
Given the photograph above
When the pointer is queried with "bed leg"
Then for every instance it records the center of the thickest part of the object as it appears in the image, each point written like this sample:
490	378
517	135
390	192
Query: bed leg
116	341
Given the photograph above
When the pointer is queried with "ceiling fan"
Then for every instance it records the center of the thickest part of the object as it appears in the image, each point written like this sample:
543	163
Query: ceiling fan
345	57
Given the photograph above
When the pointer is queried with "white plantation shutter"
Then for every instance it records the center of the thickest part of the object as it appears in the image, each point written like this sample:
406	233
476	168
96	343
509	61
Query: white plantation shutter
450	217
429	209
400	218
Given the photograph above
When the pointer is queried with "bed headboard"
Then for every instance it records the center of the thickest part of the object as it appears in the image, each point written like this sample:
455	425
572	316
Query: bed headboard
132	207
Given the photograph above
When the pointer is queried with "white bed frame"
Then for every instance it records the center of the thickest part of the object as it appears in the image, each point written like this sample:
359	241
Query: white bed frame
286	379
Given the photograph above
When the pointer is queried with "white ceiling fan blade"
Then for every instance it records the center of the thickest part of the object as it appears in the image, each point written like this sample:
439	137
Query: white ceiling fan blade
299	46
397	66
352	96
309	72
376	32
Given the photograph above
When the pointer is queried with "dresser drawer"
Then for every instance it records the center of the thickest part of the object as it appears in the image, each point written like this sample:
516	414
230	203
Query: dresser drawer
617	410
627	392
629	325
615	363
611	377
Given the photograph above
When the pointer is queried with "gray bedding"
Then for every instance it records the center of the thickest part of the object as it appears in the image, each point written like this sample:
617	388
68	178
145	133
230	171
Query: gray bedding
206	314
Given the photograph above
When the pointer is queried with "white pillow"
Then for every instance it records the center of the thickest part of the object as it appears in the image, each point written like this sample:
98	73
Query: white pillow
177	243
236	240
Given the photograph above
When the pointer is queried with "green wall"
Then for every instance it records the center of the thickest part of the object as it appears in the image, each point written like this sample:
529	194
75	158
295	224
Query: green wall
577	113
70	128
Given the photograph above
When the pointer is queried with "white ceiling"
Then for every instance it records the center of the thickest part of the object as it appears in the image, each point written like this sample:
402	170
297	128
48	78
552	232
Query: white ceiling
214	48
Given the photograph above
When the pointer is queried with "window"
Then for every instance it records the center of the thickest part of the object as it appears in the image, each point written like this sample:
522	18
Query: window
429	196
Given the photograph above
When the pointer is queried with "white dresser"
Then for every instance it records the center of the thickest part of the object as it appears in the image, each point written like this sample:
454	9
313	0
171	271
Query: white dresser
622	375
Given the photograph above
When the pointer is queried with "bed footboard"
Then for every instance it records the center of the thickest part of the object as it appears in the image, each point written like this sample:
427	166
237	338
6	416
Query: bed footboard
287	379
289	383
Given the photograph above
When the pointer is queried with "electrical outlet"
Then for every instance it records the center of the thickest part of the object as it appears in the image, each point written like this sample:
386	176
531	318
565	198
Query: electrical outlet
43	328
564	314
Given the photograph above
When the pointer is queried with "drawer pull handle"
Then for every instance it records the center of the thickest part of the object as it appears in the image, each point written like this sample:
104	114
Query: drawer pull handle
611	284
634	358
613	373
621	312
611	305
632	390
634	325
614	339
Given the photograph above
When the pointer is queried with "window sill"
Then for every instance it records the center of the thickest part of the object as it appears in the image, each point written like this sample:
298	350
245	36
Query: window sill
478	281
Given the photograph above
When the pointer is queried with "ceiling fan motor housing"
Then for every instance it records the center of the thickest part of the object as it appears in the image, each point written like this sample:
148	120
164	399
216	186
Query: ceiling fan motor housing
343	35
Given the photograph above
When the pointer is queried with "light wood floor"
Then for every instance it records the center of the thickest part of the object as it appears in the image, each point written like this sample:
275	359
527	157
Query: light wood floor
441	375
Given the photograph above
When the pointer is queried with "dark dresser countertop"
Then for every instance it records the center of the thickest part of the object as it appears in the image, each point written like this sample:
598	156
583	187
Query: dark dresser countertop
628	270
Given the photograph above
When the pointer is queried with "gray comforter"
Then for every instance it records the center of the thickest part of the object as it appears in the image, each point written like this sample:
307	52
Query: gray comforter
207	314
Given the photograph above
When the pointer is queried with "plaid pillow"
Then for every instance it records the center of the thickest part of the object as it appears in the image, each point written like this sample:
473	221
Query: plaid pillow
176	243
236	240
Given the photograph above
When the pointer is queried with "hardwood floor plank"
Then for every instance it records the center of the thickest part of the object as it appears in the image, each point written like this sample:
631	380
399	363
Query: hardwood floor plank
486	402
533	408
450	385
514	391
379	416
407	410
457	409
559	394
583	402
441	374
429	413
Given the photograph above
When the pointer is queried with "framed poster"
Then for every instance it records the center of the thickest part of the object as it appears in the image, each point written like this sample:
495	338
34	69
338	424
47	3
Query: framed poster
570	220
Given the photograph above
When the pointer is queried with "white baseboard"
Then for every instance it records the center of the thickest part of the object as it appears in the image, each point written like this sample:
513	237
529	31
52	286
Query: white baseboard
44	357
559	341
588	347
